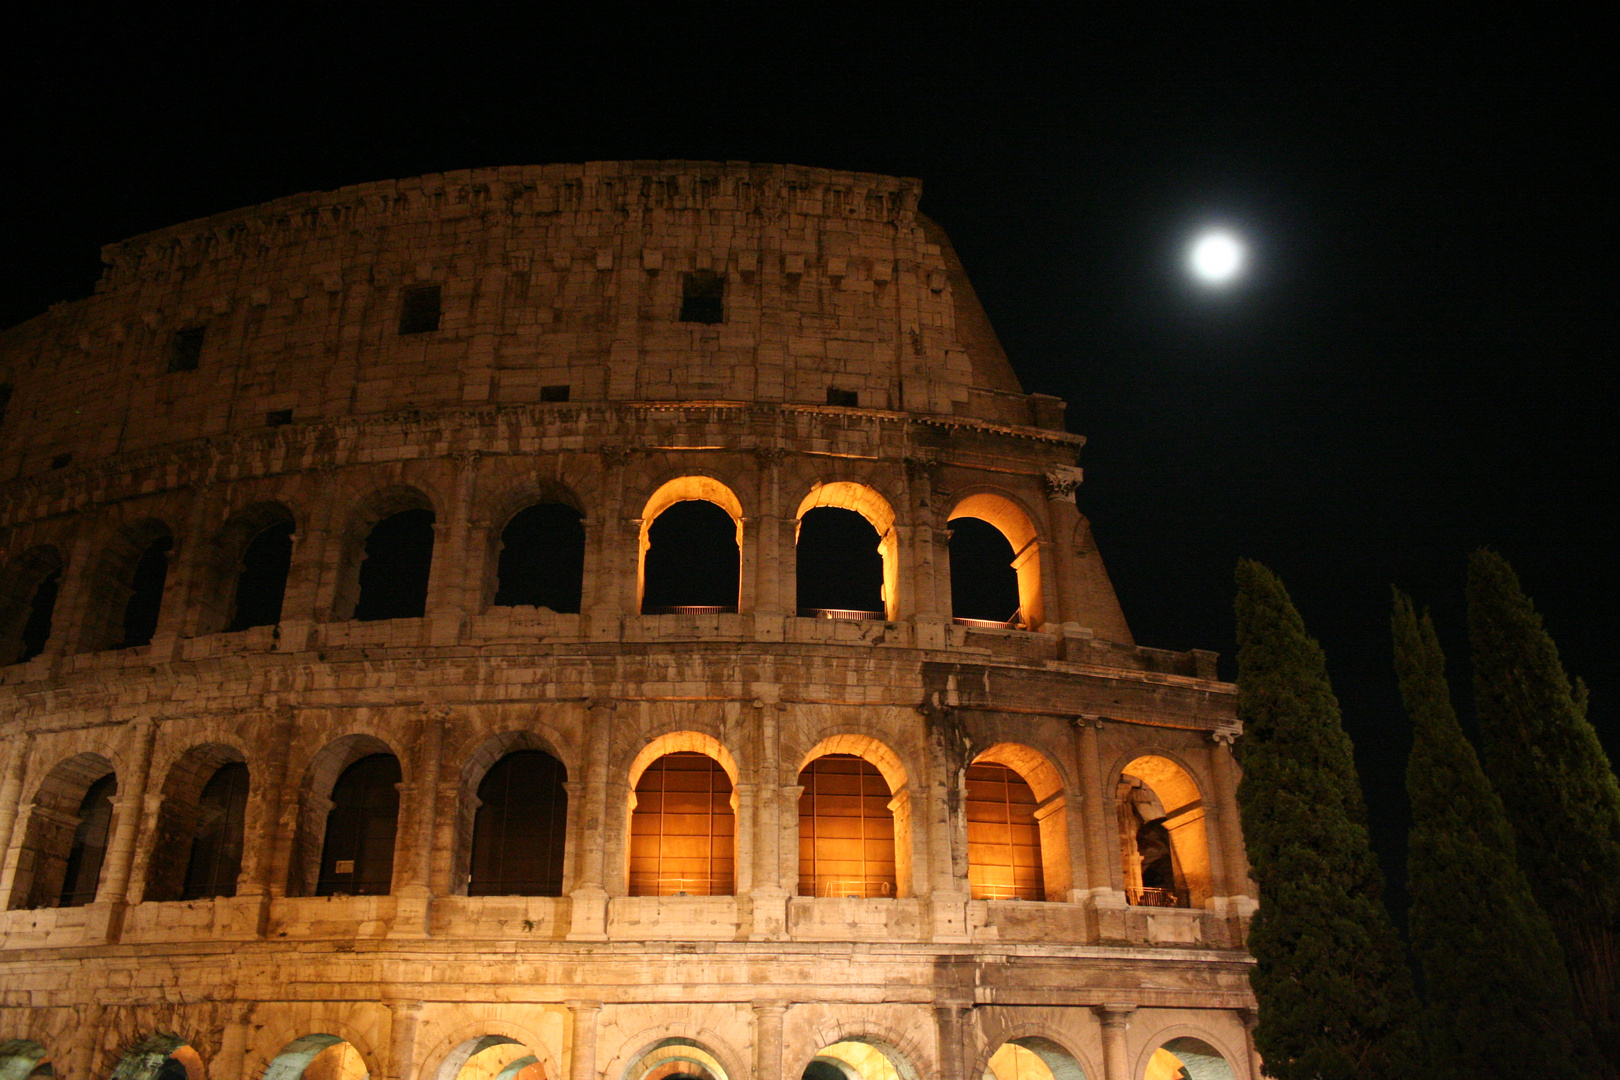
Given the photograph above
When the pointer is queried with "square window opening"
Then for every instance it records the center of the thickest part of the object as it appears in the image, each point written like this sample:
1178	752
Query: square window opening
62	461
278	417
703	297
849	399
185	349
554	393
419	314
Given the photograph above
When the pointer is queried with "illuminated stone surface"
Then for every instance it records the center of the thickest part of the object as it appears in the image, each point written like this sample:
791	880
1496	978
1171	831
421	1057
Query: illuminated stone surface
460	348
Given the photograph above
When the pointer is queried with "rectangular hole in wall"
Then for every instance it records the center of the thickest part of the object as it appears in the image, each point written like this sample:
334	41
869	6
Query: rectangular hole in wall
554	393
703	295
185	349
848	398
62	461
277	417
419	312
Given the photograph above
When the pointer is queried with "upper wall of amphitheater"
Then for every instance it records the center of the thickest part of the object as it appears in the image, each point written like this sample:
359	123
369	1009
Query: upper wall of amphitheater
559	282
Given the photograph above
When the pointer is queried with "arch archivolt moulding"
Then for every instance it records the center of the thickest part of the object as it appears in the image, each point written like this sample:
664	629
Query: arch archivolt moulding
508	487
51	753
178	738
1052	740
314	751
479	728
981	501
1238	1063
1194	772
363	1025
898	1034
443	1030
1066	1028
809	727
702	1030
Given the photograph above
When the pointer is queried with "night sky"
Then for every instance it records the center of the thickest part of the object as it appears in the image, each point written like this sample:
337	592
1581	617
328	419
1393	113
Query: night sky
1422	360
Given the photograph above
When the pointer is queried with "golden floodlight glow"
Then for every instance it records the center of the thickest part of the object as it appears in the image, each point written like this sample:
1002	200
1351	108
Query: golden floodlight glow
1216	258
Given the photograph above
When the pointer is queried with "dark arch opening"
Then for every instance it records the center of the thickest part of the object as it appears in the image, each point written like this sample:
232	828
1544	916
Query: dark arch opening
216	847
262	582
89	848
37	630
542	559
28	591
518	831
357	857
984	585
146	593
839	566
394	572
692	559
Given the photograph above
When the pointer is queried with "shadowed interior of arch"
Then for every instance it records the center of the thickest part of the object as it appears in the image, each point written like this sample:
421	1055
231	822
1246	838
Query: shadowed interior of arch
692	559
840	568
491	1057
357	856
859	1059
159	1056
1162	836
984	585
542	560
317	1057
676	1058
197	849
23	1059
261	582
518	829
398	558
1187	1058
28	591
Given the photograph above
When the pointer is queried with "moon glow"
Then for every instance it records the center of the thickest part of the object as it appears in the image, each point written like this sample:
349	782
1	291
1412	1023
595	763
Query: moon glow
1216	258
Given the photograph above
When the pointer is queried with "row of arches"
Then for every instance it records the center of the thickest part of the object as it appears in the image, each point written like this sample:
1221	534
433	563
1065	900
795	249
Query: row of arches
845	546
515	824
326	1056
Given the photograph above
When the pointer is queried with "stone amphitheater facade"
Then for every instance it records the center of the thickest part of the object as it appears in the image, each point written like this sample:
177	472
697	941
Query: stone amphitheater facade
615	340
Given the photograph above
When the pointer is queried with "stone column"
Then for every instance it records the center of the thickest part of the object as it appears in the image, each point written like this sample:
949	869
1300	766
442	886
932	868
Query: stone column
449	580
1116	1058
588	836
419	804
1251	1019
401	1063
582	1052
81	1058
1223	772
312	579
768	1039
129	805
1095	806
232	1057
773	563
1063	602
744	808
267	854
948	1019
10	804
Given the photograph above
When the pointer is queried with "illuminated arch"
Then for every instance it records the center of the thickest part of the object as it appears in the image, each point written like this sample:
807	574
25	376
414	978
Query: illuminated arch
1152	788
1199	1057
1033	1057
683	818
1046	824
22	1059
321	1057
492	1057
690	488
673	1055
865	501
848	824
860	1057
159	1056
1015	523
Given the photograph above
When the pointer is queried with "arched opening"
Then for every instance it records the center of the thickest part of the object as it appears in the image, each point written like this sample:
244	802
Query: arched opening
683	827
676	1059
28	593
847	553
691	548
357	855
846	829
542	558
393	577
318	1057
1033	1058
261	583
859	1059
519	827
65	838
1162	835
197	852
491	1057
24	1059
1017	825
1187	1058
159	1057
992	583
145	601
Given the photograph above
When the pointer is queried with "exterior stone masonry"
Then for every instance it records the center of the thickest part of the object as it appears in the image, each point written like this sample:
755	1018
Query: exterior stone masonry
560	371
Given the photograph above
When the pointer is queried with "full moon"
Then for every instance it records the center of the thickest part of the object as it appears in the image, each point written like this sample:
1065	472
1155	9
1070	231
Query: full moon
1216	258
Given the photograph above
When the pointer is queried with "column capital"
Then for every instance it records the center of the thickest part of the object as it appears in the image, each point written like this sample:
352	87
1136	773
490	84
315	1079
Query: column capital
1113	1014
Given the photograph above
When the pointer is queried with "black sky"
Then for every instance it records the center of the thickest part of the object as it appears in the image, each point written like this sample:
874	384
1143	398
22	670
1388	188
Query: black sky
1422	361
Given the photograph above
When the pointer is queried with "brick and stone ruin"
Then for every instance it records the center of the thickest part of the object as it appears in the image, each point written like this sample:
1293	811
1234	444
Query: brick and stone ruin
617	621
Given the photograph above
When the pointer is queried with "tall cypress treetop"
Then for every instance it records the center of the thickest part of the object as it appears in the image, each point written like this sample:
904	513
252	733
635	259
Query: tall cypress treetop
1499	1001
1548	766
1335	996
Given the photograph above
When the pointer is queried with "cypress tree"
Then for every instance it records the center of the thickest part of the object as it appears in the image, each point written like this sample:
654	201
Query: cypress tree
1335	996
1499	1001
1546	763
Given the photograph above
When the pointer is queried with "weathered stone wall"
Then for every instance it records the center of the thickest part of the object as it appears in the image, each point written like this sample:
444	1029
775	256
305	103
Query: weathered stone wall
570	276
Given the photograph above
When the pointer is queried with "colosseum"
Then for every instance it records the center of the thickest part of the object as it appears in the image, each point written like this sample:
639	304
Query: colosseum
617	621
